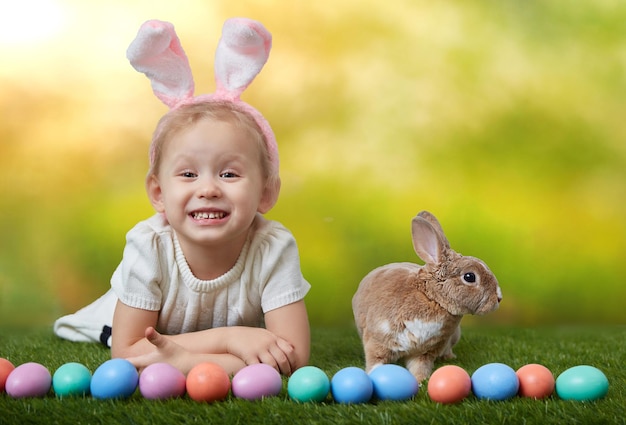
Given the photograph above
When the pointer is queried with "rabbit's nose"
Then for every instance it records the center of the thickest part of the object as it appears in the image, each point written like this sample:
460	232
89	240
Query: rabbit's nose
499	294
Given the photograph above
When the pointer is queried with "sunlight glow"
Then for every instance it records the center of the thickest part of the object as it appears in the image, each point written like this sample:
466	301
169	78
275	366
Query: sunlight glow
28	22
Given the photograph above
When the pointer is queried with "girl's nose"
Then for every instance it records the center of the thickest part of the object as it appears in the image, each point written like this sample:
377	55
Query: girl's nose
208	188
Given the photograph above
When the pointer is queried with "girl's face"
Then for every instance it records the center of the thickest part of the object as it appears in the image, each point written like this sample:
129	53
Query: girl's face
210	185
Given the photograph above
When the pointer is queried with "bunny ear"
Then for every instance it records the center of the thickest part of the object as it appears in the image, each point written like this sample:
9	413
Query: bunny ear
156	51
241	53
429	241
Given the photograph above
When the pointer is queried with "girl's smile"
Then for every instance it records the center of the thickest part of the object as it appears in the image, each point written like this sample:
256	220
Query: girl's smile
211	216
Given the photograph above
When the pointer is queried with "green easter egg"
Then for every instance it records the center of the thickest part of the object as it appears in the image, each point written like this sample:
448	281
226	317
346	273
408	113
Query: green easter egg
582	383
71	379
308	383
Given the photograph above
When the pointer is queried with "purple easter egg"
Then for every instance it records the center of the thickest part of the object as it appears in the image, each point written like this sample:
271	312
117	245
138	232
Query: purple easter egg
29	380
256	381
161	381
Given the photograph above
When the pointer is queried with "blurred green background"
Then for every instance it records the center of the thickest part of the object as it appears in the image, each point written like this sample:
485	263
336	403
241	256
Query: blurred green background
506	119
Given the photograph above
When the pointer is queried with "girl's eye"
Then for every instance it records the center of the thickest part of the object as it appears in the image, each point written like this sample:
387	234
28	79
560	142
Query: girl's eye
188	174
228	175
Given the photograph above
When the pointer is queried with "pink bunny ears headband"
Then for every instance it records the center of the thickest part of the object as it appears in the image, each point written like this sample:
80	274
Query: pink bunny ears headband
241	53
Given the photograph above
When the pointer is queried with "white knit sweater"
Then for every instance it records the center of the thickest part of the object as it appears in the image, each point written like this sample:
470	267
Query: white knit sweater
154	275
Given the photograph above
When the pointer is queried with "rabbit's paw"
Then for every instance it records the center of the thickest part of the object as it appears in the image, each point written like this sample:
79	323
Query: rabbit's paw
420	367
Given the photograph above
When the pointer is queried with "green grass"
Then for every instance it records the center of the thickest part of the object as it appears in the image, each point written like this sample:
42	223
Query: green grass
558	348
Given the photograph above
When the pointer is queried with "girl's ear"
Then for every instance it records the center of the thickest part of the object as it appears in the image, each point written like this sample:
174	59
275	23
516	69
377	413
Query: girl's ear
155	193
270	195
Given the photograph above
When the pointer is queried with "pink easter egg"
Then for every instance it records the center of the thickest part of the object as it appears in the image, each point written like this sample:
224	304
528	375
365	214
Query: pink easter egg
161	381
29	380
256	381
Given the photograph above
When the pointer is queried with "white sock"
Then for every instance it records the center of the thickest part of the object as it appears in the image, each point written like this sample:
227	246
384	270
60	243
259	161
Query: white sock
91	323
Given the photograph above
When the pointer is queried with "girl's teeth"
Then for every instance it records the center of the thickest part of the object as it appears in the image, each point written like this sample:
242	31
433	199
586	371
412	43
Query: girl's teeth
208	215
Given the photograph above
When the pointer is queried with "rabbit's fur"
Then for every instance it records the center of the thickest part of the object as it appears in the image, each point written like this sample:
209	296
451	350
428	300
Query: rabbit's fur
412	312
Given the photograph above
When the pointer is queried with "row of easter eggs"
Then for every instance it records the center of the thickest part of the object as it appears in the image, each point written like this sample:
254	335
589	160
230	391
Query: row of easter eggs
208	382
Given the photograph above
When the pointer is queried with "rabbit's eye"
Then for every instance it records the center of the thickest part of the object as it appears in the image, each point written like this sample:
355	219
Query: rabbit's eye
469	277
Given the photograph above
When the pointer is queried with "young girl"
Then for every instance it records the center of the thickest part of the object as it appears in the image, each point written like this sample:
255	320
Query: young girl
207	278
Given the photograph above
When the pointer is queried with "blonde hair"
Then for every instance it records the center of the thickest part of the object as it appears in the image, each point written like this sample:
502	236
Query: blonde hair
185	116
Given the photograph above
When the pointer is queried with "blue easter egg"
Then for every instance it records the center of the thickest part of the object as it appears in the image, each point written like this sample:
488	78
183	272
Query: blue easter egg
71	379
115	378
393	382
308	383
582	383
351	385
495	381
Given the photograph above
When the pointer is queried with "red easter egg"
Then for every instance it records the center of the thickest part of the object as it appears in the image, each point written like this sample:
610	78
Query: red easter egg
6	367
535	381
449	384
208	382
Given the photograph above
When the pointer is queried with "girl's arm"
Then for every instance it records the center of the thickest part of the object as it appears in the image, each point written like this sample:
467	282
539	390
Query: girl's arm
130	325
135	339
284	345
291	323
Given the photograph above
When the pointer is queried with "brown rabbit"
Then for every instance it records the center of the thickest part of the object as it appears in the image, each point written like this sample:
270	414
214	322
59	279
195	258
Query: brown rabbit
412	312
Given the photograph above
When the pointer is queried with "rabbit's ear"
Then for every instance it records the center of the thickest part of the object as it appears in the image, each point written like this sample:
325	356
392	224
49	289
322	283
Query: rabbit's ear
156	51
429	241
241	53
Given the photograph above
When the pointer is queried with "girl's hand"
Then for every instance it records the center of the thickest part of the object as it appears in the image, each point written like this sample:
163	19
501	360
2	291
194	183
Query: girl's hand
166	351
258	345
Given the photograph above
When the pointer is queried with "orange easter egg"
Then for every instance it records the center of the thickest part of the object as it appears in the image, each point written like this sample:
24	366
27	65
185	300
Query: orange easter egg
6	367
208	382
449	384
535	381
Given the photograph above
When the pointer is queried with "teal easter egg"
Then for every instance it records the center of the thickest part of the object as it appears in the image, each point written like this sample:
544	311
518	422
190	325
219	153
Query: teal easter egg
582	383
308	383
71	379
